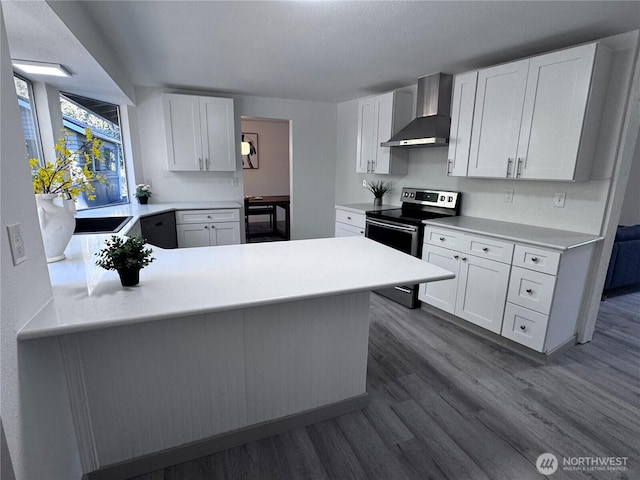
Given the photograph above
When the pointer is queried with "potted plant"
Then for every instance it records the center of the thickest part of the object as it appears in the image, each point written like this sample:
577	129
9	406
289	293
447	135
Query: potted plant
143	192
63	181
379	188
126	256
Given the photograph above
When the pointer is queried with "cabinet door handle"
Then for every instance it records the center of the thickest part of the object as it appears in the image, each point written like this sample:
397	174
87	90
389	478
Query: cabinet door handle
534	259
528	290
518	167
485	249
159	224
509	162
206	164
200	163
206	227
449	163
442	239
464	259
348	218
456	256
523	328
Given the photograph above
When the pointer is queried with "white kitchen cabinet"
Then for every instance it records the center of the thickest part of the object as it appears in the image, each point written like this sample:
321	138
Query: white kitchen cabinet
349	224
200	133
538	118
545	293
479	291
551	144
462	106
379	118
441	294
528	294
496	119
203	228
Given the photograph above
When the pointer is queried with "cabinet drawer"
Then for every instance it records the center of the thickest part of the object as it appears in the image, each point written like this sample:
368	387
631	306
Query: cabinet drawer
525	326
489	248
441	237
207	216
346	230
539	259
350	218
532	290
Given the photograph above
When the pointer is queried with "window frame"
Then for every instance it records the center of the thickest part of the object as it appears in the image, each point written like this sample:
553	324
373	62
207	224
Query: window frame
34	115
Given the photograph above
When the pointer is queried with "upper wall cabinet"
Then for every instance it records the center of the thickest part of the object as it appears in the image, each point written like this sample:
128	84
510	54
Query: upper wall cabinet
200	133
379	118
464	97
536	118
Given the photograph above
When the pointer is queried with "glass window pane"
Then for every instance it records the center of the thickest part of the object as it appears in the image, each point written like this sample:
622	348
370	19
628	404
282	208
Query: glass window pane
28	118
76	117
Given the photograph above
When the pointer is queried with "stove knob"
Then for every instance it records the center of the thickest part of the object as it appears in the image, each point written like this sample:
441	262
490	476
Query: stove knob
412	195
442	198
450	199
406	194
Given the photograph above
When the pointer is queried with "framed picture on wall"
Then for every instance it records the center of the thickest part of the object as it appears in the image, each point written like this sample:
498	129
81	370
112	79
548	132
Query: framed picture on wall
250	150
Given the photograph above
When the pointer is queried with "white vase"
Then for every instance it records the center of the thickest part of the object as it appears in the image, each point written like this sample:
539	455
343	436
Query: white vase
57	224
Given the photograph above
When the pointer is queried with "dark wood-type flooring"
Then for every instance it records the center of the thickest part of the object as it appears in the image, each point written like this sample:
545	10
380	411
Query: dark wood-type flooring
446	404
262	232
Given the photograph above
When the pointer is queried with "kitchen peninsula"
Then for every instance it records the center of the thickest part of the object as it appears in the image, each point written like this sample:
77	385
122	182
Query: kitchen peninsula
216	346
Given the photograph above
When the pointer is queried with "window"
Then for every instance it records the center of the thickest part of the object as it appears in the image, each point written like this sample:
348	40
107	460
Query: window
28	118
102	119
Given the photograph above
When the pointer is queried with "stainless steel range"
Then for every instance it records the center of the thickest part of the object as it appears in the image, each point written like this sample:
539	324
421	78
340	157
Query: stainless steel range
402	229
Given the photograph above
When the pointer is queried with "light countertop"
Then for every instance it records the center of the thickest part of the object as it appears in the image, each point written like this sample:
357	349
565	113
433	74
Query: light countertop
365	207
516	232
183	282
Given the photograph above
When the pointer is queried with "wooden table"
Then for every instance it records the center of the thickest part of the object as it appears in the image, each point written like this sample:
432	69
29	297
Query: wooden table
273	201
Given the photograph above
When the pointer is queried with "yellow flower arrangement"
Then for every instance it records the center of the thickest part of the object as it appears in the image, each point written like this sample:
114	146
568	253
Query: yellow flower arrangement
66	178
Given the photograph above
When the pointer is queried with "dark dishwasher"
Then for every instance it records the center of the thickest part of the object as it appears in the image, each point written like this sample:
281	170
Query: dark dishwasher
160	230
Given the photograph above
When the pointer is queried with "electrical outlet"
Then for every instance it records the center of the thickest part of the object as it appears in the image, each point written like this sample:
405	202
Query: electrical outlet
364	184
558	199
234	181
508	195
18	254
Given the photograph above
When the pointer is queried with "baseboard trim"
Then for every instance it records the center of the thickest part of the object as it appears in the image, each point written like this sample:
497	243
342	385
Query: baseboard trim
218	443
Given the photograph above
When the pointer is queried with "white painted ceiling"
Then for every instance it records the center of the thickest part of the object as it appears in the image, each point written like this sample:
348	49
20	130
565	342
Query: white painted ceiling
315	50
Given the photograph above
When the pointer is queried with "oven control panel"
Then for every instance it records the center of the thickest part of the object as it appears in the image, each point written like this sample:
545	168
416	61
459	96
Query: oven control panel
432	198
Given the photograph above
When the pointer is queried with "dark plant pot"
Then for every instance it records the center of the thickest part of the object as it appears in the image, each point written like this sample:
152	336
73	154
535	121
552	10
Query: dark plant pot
377	202
143	200
129	276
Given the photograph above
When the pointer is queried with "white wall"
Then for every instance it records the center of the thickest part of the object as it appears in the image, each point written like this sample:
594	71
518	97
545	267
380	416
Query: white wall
532	202
272	175
312	143
33	399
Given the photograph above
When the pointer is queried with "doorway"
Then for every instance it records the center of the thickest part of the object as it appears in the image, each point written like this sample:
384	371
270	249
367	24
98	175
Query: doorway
266	167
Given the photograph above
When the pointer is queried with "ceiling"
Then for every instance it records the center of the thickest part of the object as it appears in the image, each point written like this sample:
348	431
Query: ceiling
325	51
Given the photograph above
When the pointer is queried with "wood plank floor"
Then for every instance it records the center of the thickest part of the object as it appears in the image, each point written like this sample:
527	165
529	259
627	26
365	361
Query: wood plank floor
446	404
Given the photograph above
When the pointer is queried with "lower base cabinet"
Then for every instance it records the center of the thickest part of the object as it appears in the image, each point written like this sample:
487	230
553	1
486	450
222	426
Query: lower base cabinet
349	223
222	228
525	293
478	292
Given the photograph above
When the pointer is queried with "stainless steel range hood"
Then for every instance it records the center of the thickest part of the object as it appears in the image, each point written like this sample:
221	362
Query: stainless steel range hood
433	115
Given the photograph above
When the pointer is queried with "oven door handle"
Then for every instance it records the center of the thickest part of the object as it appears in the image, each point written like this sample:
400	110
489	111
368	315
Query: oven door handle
393	226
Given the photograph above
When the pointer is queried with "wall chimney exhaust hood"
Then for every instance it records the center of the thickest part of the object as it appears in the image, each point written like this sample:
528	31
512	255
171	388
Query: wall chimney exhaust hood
433	115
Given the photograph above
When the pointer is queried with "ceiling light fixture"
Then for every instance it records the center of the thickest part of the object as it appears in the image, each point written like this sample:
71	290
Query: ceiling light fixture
41	68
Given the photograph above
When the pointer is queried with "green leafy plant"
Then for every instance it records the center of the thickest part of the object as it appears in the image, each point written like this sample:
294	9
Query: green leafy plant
119	253
379	188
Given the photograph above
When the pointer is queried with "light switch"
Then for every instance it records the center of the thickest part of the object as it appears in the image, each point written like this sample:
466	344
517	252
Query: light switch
16	242
508	195
558	199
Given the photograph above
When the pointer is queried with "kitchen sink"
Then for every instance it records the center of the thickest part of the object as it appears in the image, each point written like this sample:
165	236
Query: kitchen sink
100	224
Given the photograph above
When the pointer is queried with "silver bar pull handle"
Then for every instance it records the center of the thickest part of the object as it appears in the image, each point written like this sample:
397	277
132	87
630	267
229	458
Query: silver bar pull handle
509	162
200	163
518	172
449	163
